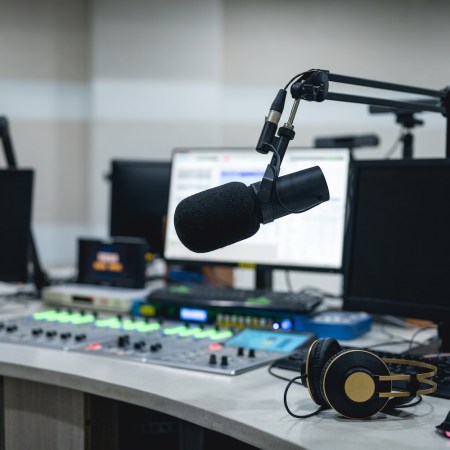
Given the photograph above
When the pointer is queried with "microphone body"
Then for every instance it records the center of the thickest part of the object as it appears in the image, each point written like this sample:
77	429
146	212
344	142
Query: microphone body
226	214
294	193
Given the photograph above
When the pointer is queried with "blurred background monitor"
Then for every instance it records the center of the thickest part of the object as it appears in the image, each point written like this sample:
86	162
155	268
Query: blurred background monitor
398	240
16	188
138	205
312	241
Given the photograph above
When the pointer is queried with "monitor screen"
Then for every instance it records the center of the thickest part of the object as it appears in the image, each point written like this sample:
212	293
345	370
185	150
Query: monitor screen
139	195
398	240
309	241
16	188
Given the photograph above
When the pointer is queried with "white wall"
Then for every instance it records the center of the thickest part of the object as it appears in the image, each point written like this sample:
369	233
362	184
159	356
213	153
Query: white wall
90	81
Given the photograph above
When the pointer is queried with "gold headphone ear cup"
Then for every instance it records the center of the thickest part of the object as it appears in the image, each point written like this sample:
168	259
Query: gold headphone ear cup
349	383
321	351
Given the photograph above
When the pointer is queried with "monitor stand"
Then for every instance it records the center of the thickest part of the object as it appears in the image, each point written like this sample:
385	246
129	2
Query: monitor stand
263	278
441	345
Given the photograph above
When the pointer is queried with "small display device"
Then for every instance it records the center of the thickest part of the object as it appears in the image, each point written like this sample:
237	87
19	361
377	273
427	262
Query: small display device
118	262
270	341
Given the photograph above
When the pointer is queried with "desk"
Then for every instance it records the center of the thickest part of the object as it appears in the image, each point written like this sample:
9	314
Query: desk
46	397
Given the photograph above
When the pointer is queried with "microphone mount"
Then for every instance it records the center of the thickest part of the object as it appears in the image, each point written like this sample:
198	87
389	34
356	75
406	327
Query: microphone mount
313	86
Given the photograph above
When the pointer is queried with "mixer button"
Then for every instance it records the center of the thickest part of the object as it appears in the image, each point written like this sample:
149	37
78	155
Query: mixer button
251	353
37	331
212	359
65	335
80	337
51	333
224	360
11	328
240	351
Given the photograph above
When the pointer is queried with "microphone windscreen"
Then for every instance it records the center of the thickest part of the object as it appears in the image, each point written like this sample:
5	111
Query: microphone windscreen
217	217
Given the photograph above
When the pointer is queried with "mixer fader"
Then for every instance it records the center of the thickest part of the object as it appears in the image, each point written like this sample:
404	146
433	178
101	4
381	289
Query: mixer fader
150	341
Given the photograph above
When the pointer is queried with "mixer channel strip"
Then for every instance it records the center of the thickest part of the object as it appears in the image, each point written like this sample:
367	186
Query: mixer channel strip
168	343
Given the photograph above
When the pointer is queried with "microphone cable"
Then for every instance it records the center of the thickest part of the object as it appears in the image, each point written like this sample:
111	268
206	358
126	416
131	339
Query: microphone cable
295	78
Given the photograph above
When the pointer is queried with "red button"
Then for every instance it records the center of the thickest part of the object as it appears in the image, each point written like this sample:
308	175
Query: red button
95	346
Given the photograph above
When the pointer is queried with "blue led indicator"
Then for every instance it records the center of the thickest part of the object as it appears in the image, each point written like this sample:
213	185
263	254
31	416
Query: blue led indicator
286	324
192	314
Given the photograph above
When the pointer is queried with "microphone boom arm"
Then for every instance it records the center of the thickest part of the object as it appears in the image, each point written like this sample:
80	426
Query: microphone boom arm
323	77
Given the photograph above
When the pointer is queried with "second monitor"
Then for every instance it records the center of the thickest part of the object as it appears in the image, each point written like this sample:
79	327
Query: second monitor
311	241
139	192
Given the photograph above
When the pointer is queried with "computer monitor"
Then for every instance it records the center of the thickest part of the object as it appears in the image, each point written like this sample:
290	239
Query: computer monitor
139	196
16	188
397	248
309	241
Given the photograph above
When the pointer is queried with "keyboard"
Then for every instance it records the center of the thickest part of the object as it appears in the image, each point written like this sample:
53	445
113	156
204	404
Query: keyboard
295	361
198	295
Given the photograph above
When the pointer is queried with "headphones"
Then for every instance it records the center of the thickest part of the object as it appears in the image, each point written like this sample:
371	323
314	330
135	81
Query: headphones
357	383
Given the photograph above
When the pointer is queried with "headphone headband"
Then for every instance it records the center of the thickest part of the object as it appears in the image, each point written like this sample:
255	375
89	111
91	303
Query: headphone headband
420	377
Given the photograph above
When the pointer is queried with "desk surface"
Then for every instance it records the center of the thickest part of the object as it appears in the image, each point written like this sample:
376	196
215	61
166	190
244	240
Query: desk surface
248	407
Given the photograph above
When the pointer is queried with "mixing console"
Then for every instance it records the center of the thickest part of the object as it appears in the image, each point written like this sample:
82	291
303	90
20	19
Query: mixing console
169	343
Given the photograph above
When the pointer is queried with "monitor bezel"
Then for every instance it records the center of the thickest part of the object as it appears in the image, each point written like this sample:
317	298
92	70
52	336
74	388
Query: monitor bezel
249	264
375	305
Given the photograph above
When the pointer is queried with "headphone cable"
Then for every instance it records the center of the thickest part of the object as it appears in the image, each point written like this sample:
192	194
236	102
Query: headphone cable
305	416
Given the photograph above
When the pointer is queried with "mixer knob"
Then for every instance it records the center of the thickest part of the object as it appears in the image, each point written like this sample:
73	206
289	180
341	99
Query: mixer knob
155	347
37	331
224	360
80	337
212	358
11	328
51	333
139	345
123	341
251	353
65	335
240	351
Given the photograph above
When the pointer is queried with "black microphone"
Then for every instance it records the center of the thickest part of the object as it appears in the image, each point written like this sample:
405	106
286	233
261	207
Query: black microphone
226	214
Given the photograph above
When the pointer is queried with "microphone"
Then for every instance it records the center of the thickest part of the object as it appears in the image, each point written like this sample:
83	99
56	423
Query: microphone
226	214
